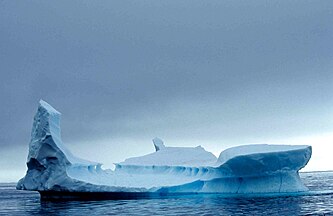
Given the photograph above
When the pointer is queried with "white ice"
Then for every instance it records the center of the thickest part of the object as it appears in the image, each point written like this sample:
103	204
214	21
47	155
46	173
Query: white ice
245	169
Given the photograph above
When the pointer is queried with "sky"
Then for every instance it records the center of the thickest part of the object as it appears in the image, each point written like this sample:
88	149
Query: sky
210	73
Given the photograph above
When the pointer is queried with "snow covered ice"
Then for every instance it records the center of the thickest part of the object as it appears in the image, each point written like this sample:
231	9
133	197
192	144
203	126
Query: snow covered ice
255	169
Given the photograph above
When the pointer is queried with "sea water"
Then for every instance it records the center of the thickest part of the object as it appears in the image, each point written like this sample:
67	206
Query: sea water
318	202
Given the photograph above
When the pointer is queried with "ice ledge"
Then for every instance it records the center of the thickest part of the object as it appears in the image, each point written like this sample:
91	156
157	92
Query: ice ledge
257	149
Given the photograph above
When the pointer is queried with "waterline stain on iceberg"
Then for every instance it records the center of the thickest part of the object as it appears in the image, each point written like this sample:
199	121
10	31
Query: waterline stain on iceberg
250	169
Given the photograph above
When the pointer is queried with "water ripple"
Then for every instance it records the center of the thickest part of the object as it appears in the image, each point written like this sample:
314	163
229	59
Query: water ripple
13	202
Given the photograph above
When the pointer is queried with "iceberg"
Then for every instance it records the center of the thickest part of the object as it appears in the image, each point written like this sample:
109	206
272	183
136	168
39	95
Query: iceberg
56	173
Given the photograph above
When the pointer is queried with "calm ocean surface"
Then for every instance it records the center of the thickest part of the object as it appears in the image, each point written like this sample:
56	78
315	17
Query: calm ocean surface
13	202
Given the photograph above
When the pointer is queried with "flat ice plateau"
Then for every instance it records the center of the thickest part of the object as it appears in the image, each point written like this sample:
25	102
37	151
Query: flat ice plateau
248	169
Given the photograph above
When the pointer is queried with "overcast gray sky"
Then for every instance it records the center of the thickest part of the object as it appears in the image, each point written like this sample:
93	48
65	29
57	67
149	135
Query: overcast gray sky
210	73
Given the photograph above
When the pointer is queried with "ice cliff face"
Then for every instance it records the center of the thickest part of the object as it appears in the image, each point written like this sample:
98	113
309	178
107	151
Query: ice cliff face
48	159
239	170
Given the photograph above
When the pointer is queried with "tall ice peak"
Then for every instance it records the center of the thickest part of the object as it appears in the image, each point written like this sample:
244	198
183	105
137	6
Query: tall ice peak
47	107
158	143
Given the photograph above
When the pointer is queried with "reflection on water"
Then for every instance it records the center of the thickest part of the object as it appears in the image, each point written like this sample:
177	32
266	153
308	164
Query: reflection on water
13	202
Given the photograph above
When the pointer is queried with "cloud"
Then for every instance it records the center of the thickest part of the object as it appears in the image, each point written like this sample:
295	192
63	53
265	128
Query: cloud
220	72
